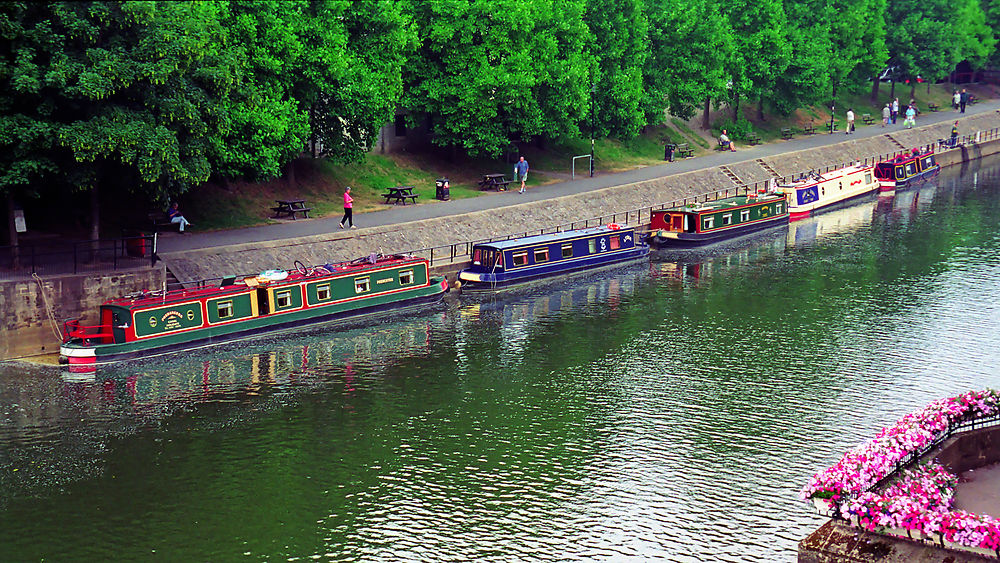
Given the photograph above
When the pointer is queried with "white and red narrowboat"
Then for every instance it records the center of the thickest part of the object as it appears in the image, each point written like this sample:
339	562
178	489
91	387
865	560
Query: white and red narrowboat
699	224
906	169
155	323
813	192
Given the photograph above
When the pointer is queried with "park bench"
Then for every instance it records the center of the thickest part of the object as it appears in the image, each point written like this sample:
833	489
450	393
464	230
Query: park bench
867	118
786	133
933	107
809	128
159	221
684	149
753	138
973	100
494	181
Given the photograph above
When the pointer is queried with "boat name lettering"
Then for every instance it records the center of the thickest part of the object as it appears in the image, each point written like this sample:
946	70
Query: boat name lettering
384	280
172	319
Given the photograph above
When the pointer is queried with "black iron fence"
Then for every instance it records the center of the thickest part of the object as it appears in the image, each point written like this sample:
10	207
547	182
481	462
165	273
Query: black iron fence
61	257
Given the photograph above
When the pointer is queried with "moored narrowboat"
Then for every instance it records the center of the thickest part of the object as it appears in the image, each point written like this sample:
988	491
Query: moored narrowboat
708	222
501	264
906	169
155	323
813	192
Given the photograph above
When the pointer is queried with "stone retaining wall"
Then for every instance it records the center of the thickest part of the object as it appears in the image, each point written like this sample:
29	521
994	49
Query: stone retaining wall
533	216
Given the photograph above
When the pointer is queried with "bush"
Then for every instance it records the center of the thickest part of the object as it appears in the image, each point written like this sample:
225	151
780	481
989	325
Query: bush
737	131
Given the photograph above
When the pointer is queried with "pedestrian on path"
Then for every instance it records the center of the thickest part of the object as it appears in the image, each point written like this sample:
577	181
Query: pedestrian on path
850	121
895	110
521	172
956	99
348	208
911	115
886	114
963	99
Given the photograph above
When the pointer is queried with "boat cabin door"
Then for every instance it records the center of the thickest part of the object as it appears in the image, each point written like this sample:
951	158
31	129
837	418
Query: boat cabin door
263	303
677	222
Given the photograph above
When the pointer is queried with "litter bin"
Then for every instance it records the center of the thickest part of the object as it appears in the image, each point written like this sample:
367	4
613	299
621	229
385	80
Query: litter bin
135	244
442	191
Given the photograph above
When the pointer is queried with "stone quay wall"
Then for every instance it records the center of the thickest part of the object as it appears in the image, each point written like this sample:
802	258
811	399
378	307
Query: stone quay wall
27	329
533	216
35	309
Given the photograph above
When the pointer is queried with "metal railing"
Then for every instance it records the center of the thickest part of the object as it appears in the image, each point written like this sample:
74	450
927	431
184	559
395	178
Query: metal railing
462	251
60	257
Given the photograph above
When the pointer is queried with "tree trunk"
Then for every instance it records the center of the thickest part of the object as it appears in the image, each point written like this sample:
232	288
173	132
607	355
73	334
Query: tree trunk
760	110
892	89
704	118
290	172
875	88
736	108
913	90
95	221
12	232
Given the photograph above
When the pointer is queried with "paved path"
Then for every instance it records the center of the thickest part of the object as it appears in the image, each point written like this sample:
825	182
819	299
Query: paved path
404	214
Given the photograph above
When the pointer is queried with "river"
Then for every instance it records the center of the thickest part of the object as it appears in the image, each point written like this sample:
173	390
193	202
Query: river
666	411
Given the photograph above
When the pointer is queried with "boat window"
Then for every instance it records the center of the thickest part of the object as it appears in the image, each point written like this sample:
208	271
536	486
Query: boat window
928	162
323	292
567	251
406	277
615	242
520	258
541	255
727	219
283	299
909	168
708	223
225	309
476	256
592	246
744	215
868	178
362	285
777	208
900	174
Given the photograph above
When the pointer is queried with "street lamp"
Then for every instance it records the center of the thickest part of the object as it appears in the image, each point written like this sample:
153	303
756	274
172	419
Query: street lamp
593	90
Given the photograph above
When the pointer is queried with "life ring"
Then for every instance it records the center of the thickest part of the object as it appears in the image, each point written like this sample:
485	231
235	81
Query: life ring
272	275
614	226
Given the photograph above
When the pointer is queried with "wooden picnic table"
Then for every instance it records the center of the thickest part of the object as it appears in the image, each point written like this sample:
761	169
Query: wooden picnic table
290	207
498	181
400	194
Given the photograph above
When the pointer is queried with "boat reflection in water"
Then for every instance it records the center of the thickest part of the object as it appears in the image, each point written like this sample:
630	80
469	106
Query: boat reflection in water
273	365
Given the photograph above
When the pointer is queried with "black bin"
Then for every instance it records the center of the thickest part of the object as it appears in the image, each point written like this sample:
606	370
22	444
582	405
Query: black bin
442	191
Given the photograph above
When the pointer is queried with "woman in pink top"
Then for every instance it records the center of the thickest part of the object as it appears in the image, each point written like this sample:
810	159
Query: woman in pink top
348	208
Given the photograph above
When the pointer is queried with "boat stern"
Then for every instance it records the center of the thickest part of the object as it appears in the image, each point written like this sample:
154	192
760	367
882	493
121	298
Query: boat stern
76	354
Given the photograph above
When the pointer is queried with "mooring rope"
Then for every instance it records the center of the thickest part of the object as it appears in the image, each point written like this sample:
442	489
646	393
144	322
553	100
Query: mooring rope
48	308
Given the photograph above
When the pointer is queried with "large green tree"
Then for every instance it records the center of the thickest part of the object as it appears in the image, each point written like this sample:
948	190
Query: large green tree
491	72
619	48
690	45
762	50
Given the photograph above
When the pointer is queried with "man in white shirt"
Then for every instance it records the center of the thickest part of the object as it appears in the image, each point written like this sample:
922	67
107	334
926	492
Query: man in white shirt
850	121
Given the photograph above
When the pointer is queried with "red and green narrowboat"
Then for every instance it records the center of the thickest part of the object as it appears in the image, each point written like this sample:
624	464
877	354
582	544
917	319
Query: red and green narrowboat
698	224
155	323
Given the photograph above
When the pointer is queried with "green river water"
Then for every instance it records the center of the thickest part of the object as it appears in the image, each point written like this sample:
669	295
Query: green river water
669	411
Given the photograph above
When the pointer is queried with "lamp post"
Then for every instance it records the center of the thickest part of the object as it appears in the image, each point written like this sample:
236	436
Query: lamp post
593	90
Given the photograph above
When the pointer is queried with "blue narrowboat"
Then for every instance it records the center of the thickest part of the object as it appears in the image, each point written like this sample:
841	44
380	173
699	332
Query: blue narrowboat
906	169
501	264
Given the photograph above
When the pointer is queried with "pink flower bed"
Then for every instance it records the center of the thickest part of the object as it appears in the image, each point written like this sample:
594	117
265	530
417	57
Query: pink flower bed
919	500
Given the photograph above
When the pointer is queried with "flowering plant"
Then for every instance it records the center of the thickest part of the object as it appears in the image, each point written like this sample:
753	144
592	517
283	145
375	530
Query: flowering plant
919	500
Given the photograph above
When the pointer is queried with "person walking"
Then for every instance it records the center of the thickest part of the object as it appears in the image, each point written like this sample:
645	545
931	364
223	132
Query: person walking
521	172
850	121
348	208
886	114
963	99
911	114
954	135
895	110
956	99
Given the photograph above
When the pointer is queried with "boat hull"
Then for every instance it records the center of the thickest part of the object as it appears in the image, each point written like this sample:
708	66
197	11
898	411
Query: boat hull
680	240
83	354
893	185
472	281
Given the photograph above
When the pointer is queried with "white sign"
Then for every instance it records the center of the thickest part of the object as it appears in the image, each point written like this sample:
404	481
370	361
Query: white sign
19	224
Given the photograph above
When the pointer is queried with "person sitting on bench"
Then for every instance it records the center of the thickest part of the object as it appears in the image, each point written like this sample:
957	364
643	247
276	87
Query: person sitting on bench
725	142
174	214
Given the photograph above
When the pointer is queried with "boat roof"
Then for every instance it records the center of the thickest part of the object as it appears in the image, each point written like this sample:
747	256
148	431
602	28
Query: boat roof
725	202
147	298
905	157
815	178
551	237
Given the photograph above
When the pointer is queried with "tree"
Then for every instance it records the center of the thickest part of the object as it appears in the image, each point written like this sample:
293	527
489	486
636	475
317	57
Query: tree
762	51
620	46
491	72
690	44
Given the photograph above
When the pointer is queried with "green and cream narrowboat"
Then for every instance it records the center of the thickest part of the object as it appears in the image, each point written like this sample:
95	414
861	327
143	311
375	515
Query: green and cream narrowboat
155	323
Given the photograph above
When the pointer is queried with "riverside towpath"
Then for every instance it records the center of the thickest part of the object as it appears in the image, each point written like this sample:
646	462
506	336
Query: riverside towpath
406	214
